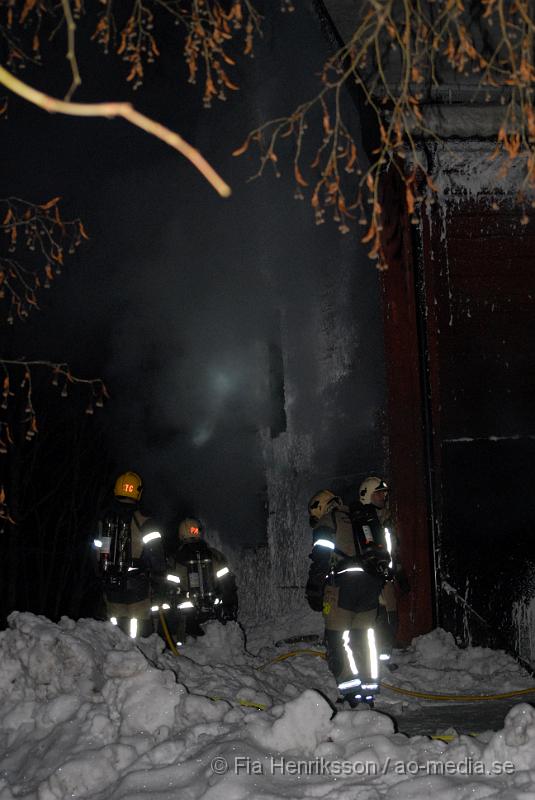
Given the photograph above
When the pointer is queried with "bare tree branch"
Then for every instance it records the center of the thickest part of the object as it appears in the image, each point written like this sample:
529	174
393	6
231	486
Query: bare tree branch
71	54
398	54
116	109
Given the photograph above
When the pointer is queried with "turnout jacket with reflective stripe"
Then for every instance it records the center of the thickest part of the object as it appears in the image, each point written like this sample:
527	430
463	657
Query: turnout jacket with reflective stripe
336	555
148	559
223	580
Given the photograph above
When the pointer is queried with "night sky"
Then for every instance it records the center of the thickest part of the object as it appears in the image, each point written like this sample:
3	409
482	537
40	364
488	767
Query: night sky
178	295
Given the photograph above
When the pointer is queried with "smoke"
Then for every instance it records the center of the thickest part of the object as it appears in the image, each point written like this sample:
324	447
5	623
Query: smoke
217	324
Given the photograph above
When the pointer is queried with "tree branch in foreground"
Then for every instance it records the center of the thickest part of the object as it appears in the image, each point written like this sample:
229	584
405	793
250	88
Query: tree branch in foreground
116	109
17	394
47	238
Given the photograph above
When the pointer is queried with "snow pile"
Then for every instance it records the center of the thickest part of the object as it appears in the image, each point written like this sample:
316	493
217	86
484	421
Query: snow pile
516	742
434	663
299	725
87	713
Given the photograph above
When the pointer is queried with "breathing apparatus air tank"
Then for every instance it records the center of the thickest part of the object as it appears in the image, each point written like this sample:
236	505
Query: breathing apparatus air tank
201	581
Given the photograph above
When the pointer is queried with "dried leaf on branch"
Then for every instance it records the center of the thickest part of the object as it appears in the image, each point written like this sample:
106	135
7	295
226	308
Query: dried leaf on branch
396	56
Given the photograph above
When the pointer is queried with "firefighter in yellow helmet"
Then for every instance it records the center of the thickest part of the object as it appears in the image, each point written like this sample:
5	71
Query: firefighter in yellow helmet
131	558
207	585
346	590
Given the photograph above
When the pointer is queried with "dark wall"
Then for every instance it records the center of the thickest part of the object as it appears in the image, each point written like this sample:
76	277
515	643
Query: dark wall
459	301
477	271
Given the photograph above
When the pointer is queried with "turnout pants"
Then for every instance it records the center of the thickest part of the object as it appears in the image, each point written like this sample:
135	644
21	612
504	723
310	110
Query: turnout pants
132	618
350	635
352	652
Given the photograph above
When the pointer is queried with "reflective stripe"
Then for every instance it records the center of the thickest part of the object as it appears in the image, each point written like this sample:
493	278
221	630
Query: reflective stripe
388	539
113	620
349	652
217	601
221	572
97	542
133	628
173	578
350	569
370	685
166	606
150	536
384	657
155	608
324	543
374	663
349	684
132	569
179	644
185	604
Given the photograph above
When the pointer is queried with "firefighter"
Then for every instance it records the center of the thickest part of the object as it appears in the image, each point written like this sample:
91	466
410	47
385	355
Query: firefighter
131	558
344	583
371	517
201	573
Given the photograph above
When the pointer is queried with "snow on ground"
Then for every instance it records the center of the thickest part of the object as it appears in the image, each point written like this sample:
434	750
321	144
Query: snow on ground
85	713
435	664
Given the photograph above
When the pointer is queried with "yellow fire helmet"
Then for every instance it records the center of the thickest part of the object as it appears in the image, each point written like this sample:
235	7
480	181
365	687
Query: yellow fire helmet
129	486
321	502
189	528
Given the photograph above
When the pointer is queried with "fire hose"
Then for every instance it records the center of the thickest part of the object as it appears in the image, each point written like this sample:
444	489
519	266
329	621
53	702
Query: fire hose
453	698
168	637
172	647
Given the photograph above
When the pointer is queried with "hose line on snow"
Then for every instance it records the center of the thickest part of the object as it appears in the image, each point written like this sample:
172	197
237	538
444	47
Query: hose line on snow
167	635
284	656
453	698
246	703
459	698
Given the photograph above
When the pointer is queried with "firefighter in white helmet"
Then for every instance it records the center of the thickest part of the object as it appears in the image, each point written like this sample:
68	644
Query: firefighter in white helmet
346	590
371	518
131	558
203	576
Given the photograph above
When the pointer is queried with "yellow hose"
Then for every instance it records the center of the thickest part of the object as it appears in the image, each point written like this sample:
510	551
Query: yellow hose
453	698
167	634
284	656
246	703
459	698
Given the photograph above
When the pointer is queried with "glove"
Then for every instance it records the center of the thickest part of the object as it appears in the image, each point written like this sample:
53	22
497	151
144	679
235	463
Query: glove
402	582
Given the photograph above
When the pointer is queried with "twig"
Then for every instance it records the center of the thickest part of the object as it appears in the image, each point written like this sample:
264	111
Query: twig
71	54
116	109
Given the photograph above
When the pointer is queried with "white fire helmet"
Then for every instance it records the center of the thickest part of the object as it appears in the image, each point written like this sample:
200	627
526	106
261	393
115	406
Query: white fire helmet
369	486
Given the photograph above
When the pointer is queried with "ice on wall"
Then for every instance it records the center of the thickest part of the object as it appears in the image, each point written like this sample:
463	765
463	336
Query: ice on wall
319	355
523	617
464	168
